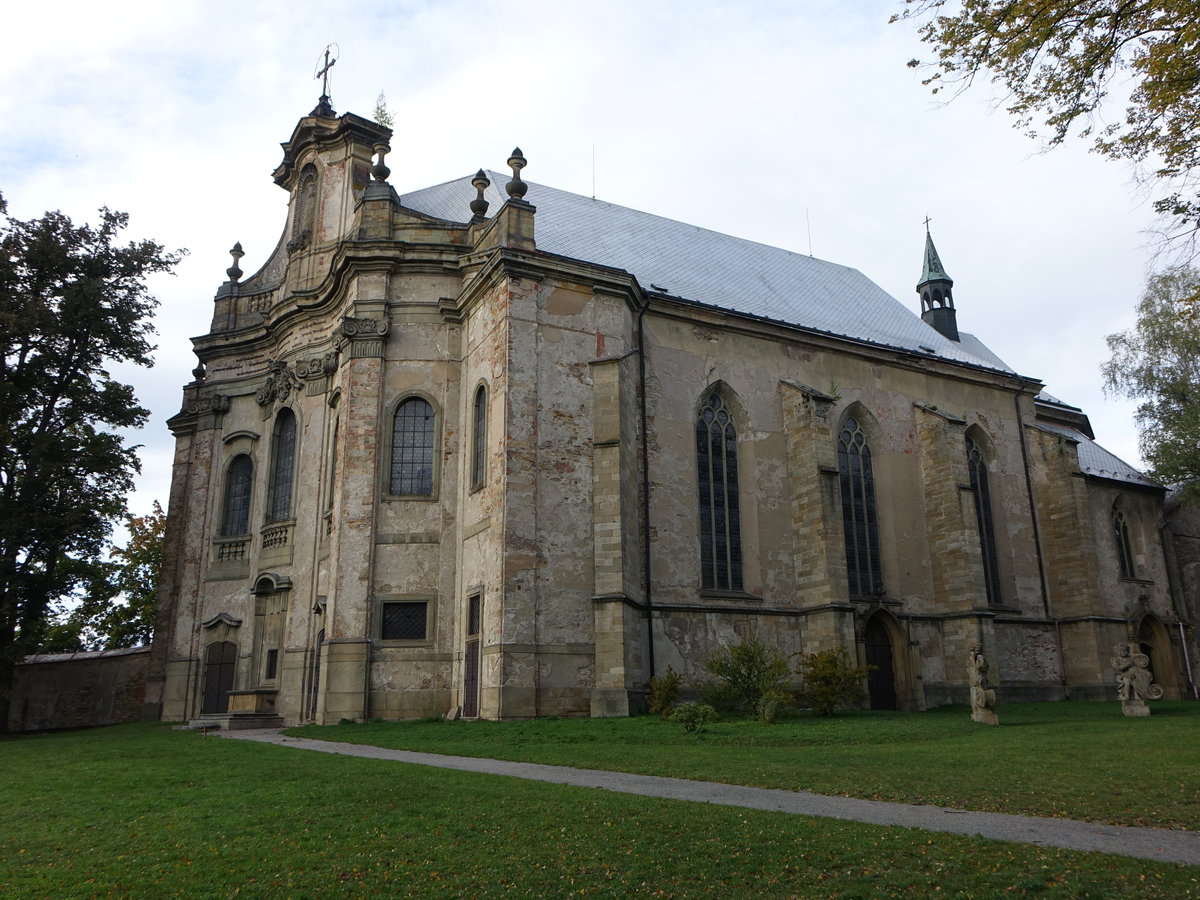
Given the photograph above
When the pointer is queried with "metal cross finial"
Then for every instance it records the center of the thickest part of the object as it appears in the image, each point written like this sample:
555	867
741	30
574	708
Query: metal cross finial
927	221
323	73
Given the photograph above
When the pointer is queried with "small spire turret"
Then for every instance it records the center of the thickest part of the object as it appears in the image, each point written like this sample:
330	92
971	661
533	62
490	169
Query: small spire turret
935	290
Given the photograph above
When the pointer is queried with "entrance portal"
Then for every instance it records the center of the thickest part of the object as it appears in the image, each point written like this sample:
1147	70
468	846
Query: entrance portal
220	660
470	705
881	682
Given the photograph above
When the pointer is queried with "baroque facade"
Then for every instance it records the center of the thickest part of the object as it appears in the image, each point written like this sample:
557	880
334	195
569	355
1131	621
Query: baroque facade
499	450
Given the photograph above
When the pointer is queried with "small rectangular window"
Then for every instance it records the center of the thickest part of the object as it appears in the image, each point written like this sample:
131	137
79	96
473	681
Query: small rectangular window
272	664
474	614
404	620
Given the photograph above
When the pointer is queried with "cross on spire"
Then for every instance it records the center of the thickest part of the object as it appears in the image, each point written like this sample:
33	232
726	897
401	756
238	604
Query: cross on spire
323	73
927	221
324	107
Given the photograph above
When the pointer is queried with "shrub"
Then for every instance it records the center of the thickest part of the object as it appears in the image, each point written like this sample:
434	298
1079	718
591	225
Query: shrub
694	716
745	674
769	706
831	681
664	692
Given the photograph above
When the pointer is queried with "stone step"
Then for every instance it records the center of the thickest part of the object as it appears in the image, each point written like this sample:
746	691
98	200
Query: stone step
231	722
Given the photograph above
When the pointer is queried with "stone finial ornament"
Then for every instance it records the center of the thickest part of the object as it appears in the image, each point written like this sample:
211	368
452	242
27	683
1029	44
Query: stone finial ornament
479	206
1134	681
983	698
234	271
516	188
380	171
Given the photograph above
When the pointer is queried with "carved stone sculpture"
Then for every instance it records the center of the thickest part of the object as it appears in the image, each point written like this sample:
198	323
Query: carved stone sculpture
983	698
278	387
1134	684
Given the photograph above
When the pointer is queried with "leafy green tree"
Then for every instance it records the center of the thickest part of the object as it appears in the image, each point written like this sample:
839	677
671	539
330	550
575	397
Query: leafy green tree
1058	60
120	594
73	302
1158	362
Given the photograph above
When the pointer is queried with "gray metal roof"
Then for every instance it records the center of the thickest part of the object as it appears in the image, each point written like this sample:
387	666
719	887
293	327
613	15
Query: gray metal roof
710	268
1096	461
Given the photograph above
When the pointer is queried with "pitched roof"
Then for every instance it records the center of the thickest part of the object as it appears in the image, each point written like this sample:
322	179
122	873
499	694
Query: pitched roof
1094	460
710	268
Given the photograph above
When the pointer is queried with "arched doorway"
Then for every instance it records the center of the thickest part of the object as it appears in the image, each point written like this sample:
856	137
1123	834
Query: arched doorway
220	661
1153	641
881	682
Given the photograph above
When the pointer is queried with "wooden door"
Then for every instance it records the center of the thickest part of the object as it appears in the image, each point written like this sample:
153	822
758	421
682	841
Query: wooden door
881	683
220	662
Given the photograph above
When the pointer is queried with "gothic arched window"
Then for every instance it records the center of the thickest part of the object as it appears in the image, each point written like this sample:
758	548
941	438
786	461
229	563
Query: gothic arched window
239	478
1124	549
720	523
977	467
858	511
479	437
412	449
283	466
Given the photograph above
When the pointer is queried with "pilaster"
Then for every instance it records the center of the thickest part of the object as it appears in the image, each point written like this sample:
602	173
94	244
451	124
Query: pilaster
346	651
819	553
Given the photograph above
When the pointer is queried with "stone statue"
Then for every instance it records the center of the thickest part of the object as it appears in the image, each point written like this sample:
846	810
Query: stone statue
1134	685
983	698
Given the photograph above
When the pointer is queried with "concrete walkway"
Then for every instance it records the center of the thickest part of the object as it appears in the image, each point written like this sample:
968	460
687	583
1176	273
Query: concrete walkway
1146	843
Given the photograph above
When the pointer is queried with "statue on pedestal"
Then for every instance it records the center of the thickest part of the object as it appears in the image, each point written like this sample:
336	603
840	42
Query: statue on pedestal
1134	683
983	698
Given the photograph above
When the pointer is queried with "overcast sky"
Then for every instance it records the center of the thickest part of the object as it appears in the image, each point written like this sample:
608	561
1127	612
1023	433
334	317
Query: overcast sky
796	124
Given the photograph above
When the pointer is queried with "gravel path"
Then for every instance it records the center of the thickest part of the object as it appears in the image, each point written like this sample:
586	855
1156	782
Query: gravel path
1146	843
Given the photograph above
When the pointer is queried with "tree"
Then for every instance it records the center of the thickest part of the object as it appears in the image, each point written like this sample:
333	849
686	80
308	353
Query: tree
1158	362
120	594
73	302
383	115
1059	59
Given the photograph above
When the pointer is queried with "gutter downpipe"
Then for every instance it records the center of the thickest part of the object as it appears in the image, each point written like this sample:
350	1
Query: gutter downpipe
646	579
1037	543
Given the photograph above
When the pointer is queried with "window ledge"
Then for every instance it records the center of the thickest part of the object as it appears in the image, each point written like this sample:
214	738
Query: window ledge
714	594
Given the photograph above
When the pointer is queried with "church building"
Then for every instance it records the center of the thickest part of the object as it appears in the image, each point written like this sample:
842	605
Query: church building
493	449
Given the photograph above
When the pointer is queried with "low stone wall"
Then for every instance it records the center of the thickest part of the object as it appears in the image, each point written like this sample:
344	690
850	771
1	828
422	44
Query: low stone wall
79	690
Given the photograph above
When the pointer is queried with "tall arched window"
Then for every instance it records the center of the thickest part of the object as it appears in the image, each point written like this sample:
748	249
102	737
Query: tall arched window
720	522
977	467
478	437
239	478
305	219
283	466
412	449
858	511
1124	548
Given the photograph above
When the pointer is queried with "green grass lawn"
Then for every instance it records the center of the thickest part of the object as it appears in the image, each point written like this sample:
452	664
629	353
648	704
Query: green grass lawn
1075	760
144	811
